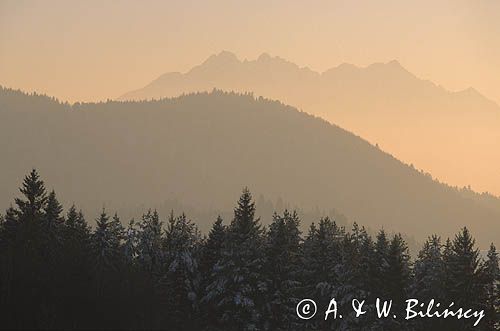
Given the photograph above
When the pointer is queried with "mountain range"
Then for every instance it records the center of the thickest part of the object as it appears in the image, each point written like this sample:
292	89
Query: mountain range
204	148
453	135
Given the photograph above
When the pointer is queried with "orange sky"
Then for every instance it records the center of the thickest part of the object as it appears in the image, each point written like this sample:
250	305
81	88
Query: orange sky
93	50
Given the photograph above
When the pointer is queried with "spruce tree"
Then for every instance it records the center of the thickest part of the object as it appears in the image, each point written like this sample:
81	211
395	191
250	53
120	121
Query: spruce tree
77	267
117	230
107	262
211	254
180	283
35	198
26	255
492	288
9	243
149	243
381	266
144	251
464	276
429	280
367	263
52	231
10	226
130	245
398	273
447	256
212	248
352	277
386	268
76	234
283	252
463	268
138	285
51	242
53	220
397	277
239	288
105	246
322	257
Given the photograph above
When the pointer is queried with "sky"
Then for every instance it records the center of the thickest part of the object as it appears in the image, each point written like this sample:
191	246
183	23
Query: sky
95	50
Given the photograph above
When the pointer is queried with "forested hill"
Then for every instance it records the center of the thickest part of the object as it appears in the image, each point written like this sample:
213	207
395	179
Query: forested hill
451	134
203	148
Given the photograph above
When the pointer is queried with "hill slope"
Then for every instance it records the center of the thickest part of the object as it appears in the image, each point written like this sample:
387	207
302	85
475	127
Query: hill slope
204	148
444	132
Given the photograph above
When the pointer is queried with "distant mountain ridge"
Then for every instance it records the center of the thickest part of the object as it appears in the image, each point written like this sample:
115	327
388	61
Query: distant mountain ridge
222	64
203	148
450	134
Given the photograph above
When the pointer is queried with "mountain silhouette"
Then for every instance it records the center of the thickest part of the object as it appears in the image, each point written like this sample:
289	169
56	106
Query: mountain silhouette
203	148
451	134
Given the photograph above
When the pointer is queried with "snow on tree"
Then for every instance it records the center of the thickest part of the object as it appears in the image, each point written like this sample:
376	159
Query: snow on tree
351	278
211	254
283	253
106	243
130	245
239	287
428	279
149	243
180	282
322	257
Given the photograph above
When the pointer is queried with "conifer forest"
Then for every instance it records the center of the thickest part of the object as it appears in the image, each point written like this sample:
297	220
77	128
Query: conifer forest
161	272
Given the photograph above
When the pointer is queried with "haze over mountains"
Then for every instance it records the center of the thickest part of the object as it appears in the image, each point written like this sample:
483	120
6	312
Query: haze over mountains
453	135
204	148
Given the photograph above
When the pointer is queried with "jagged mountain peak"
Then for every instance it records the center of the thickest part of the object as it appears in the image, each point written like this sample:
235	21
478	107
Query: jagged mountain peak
222	58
